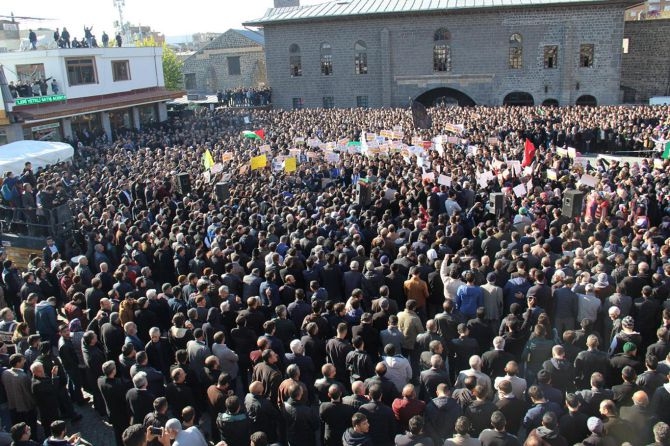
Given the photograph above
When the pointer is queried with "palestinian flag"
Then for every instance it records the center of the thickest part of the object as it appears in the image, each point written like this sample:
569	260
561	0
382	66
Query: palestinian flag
256	134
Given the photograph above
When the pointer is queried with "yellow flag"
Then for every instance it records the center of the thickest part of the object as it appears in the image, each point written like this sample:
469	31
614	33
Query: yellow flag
289	165
207	159
259	162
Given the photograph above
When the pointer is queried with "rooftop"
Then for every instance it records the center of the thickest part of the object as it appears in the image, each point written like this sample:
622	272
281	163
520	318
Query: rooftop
347	8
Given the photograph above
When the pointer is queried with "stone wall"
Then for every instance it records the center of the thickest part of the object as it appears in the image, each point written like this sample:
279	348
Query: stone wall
400	63
210	64
646	67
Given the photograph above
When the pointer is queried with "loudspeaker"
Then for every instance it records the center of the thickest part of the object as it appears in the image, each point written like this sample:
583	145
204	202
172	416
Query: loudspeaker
497	203
184	183
364	195
572	203
222	191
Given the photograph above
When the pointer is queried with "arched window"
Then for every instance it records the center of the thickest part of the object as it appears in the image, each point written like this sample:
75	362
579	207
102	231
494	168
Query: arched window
442	50
295	60
360	57
326	59
515	51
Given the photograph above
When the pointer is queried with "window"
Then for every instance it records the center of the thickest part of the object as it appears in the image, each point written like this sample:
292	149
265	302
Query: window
625	44
234	66
441	50
515	51
30	72
189	81
361	57
81	71
326	59
328	102
586	55
297	104
551	56
120	70
362	101
294	60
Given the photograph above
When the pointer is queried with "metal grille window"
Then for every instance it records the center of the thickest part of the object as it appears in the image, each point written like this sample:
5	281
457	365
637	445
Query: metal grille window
442	50
551	56
81	71
297	103
515	51
326	59
234	68
120	70
586	52
295	60
362	101
189	81
361	57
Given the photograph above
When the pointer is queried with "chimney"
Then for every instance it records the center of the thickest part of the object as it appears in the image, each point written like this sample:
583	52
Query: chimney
286	3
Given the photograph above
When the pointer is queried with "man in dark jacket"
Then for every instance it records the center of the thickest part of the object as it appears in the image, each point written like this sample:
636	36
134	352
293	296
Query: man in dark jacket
233	424
140	401
548	433
263	414
415	435
441	414
660	402
335	417
113	390
301	421
358	434
380	417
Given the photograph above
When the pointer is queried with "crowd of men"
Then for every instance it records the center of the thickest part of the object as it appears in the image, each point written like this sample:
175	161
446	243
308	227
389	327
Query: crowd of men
245	97
284	308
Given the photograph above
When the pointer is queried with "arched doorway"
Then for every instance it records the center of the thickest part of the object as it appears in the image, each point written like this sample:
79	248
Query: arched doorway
550	103
587	99
445	97
519	99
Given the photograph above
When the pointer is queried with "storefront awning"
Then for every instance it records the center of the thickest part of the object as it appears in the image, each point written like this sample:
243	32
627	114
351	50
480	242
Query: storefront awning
94	104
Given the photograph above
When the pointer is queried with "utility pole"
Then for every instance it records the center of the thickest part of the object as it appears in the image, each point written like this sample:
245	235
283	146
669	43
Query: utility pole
122	27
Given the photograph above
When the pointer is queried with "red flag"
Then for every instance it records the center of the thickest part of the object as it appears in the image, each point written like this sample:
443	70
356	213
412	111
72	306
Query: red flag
528	153
260	133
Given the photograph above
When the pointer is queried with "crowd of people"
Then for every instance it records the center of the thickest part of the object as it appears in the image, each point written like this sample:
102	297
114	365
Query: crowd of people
287	307
245	97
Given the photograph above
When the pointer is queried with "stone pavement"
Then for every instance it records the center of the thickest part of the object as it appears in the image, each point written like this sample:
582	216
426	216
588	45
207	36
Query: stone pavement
92	428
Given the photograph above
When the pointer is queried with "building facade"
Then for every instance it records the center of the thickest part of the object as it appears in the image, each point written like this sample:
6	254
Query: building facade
369	53
97	91
646	60
234	59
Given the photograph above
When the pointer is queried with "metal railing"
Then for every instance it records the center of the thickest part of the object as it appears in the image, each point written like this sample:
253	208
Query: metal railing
35	221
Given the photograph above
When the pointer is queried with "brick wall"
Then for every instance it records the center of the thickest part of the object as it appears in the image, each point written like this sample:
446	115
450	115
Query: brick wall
646	68
479	53
210	64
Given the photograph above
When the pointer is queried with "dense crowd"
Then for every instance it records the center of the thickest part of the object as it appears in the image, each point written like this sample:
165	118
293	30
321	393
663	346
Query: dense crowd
245	97
285	308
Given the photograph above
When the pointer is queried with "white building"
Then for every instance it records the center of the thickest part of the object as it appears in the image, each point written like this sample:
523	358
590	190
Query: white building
99	90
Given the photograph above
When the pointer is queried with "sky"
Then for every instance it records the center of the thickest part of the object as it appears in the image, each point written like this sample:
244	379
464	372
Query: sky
162	15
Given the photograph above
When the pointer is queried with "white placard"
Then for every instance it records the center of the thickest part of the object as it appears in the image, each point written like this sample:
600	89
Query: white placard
520	190
444	180
588	180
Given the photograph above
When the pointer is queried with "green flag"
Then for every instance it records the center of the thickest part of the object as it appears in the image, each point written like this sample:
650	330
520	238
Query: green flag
666	152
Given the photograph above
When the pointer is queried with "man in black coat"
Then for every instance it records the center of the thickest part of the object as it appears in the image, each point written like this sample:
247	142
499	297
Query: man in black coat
640	417
301	421
512	407
494	361
112	336
262	414
113	392
621	360
383	426
388	389
335	417
432	378
590	361
45	393
94	357
441	414
140	401
660	402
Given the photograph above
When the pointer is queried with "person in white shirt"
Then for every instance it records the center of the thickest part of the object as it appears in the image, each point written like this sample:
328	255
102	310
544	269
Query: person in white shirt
184	437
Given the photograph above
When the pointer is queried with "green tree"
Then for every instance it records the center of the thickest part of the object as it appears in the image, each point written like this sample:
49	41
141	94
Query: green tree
171	64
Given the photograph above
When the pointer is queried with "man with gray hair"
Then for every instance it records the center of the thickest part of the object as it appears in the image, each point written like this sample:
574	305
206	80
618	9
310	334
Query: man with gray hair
306	363
588	304
475	370
113	390
184	437
139	400
292	379
494	361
